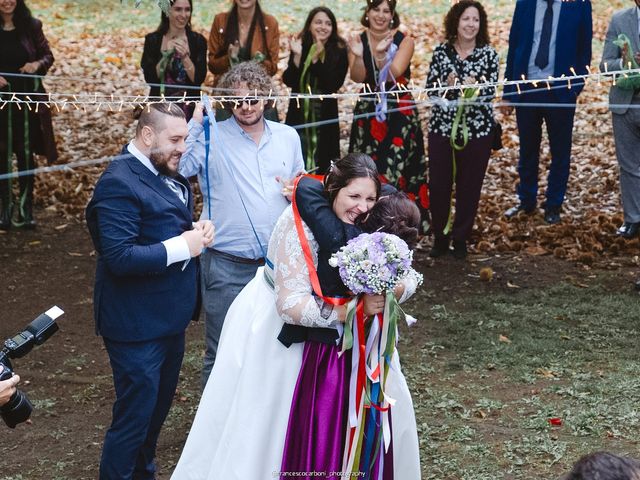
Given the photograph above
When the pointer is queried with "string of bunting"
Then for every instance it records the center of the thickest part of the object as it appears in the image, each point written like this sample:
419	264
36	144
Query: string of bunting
116	102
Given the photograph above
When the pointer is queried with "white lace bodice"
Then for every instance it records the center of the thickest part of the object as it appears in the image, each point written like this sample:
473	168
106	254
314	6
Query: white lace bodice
295	301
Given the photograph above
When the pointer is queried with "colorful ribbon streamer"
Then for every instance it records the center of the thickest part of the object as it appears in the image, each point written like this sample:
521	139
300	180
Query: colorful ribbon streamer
385	75
371	355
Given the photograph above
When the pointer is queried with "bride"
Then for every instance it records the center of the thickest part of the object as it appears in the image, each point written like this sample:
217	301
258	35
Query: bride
240	427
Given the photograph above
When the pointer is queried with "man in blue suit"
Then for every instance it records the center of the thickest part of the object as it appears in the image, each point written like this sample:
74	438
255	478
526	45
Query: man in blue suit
140	220
548	38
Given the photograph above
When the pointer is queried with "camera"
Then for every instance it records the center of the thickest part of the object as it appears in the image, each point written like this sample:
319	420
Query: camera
18	408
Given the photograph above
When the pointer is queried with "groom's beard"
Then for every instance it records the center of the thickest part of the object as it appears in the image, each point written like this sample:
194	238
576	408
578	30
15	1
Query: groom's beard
161	161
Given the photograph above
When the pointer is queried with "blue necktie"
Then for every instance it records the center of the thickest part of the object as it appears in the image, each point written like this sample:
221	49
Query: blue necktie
542	57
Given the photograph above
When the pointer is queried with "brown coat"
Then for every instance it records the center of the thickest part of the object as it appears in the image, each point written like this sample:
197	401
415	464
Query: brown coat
220	64
37	47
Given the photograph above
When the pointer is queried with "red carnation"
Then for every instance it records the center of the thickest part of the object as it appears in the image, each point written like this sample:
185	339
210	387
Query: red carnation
378	129
411	196
382	178
424	196
402	183
397	141
360	123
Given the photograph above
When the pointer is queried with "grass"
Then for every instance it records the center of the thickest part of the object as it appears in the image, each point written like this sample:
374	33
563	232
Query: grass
499	367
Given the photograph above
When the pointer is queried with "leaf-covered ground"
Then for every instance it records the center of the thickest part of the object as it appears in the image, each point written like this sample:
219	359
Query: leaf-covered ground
101	52
490	362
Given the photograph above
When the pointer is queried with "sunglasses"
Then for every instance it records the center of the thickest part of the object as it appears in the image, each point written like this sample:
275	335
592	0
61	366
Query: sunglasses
250	101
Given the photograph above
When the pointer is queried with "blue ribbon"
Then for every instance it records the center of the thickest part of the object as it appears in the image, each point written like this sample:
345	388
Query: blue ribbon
381	107
207	140
370	436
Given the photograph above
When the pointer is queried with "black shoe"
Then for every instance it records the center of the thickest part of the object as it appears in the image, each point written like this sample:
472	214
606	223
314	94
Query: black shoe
552	215
513	211
460	249
440	247
628	230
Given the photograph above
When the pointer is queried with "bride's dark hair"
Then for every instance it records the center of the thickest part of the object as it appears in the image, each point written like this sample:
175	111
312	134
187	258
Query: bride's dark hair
395	214
352	165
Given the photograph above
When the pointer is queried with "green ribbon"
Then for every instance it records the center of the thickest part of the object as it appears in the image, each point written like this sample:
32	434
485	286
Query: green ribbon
468	96
309	112
259	57
7	203
162	66
627	82
28	165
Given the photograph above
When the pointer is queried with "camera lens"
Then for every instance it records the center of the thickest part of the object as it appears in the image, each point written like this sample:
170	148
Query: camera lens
16	410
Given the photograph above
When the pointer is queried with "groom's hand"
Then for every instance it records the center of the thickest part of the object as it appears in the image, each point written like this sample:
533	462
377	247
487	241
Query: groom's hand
208	232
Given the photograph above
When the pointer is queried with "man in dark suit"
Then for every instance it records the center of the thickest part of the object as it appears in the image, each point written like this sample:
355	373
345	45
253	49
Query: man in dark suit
548	38
140	220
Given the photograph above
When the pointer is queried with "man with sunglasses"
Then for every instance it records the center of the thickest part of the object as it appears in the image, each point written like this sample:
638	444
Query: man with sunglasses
240	178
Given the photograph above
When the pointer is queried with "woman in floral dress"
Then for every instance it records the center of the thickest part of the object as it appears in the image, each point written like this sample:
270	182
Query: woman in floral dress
465	57
386	125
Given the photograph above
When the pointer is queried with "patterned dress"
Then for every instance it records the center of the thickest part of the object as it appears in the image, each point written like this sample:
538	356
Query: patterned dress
395	144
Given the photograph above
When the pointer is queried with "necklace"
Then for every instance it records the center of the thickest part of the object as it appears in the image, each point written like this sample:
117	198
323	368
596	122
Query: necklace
377	36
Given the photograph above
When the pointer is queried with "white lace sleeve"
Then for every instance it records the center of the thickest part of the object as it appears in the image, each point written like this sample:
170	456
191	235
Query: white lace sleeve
295	301
410	283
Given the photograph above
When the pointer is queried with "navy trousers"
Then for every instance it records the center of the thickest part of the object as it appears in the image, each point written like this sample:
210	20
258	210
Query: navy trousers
558	118
145	376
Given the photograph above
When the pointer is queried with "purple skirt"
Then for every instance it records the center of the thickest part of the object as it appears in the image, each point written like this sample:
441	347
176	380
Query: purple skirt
315	441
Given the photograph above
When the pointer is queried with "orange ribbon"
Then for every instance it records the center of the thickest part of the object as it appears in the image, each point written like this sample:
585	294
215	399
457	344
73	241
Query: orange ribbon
306	250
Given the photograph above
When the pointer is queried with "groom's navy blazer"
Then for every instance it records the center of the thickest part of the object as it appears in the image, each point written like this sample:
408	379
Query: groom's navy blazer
573	45
137	297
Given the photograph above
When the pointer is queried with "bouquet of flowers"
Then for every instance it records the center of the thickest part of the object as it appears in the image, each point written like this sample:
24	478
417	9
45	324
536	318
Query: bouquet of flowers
373	264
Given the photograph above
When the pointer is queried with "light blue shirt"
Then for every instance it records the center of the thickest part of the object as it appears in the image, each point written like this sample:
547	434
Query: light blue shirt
255	168
536	73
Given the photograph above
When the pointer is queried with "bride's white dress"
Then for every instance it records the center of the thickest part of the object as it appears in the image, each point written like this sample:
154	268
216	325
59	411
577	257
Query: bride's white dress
239	429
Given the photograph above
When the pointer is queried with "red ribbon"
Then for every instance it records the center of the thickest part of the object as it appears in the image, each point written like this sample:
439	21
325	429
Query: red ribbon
306	250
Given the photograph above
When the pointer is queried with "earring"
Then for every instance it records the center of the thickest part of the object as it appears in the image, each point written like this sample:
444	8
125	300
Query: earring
366	18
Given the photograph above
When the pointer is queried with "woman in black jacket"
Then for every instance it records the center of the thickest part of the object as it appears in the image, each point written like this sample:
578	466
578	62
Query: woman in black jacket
318	64
25	52
174	56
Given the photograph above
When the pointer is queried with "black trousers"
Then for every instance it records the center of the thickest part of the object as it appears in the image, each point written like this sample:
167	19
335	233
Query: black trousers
471	165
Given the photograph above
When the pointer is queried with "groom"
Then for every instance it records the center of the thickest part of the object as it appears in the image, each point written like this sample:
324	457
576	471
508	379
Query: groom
140	220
